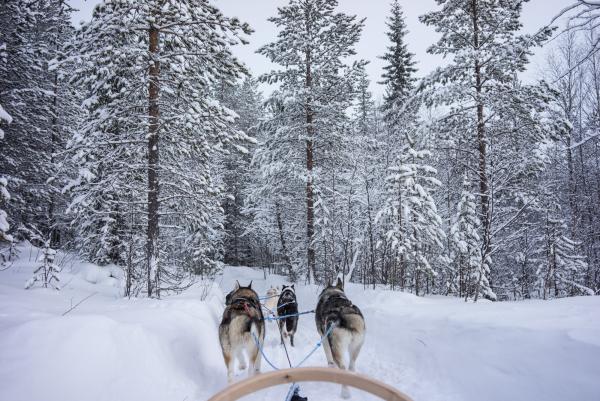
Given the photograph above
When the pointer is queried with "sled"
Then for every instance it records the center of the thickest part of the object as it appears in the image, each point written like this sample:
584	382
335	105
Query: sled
295	375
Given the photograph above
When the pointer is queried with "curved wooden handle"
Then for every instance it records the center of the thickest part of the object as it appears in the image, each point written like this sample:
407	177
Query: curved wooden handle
331	375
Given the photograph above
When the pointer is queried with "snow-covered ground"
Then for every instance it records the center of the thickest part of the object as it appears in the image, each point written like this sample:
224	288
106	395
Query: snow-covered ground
434	348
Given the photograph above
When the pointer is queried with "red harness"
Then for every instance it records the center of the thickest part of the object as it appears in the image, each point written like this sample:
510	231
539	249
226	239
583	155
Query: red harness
247	309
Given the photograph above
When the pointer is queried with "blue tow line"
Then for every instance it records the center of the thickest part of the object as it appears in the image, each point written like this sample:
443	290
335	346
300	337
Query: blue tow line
294	388
286	316
316	347
278	307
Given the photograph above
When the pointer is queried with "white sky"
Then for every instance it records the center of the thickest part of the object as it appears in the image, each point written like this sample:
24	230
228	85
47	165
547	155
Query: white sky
536	14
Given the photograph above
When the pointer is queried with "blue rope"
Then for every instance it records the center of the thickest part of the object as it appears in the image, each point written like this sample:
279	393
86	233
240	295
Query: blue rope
319	343
286	316
260	348
280	306
294	388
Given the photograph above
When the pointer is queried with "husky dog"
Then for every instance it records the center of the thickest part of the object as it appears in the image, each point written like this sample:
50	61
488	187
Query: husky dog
348	333
288	305
242	321
271	300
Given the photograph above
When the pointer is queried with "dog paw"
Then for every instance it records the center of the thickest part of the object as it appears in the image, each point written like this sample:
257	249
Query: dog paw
345	393
242	366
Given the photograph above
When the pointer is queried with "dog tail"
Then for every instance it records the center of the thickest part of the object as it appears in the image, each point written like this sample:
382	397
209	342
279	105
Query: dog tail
255	329
332	320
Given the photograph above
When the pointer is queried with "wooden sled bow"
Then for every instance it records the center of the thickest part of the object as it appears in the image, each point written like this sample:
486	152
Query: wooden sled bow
287	376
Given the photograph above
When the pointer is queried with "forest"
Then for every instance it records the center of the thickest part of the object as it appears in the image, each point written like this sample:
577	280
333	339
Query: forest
140	140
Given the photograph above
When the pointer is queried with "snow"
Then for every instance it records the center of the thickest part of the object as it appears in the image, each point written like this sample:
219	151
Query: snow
433	348
3	222
4	115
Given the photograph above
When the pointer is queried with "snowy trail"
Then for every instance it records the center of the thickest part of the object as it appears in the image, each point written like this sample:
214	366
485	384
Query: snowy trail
446	349
434	348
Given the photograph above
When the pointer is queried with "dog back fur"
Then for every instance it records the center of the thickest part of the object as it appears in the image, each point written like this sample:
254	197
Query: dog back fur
242	318
349	329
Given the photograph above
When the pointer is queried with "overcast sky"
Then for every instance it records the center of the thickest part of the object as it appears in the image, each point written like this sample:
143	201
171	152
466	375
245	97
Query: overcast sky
536	14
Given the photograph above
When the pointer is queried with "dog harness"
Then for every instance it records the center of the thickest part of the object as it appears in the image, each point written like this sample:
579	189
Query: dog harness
245	303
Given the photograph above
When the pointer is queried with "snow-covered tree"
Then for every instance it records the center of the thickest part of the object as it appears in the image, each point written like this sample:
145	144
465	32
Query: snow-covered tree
398	71
245	100
316	86
414	225
153	128
48	272
5	118
490	112
32	34
470	269
4	198
561	273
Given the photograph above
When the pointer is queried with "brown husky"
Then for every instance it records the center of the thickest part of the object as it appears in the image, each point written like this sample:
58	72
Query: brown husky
348	333
241	325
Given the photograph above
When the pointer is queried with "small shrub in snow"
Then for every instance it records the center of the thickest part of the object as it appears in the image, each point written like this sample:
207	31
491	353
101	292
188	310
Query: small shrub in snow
48	272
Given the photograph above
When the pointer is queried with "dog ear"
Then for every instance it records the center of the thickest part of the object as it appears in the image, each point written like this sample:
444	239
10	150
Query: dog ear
283	287
237	286
339	284
293	286
250	285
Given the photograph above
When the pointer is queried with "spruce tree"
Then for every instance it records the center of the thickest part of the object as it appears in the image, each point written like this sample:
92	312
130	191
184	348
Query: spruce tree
32	36
398	71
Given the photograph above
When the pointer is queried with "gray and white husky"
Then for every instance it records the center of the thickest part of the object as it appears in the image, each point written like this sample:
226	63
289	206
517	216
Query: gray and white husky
348	333
242	320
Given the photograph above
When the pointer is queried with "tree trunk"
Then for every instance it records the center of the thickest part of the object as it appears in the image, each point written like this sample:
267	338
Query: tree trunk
54	140
310	213
482	149
286	256
152	257
371	241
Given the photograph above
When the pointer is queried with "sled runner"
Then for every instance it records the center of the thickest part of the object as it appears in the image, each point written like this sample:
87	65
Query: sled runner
316	374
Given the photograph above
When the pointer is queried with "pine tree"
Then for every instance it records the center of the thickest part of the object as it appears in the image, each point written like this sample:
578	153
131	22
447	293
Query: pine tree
312	46
398	75
153	130
489	108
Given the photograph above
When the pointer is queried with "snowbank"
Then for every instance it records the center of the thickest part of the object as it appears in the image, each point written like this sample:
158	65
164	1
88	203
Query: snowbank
108	348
